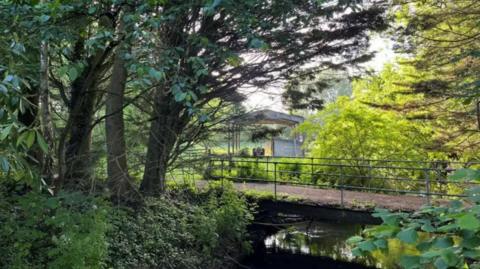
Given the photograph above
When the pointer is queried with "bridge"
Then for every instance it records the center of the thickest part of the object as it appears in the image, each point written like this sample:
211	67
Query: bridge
350	184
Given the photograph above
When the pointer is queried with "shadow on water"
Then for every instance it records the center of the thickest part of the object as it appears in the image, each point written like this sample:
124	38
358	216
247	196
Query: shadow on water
310	245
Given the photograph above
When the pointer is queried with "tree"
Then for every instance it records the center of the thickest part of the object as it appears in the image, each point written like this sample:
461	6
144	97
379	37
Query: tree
179	65
22	144
114	126
441	41
351	130
316	90
215	49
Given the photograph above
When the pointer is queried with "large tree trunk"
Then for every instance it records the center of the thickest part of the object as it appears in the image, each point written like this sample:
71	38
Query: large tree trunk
164	133
156	164
75	160
78	170
117	168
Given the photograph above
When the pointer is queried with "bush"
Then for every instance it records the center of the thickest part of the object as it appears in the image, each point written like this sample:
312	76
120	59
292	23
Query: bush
445	236
185	229
195	230
43	231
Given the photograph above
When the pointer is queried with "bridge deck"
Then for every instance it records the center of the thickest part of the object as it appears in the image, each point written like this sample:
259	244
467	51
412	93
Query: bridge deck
332	197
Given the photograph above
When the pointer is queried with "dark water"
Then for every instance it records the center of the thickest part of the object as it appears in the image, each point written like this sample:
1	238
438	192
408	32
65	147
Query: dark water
313	245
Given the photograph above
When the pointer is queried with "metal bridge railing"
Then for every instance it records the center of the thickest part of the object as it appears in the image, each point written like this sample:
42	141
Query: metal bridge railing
420	178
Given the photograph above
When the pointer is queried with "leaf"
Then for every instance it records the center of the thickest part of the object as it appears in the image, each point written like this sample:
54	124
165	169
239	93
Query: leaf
472	254
468	222
193	95
448	228
473	194
431	254
5	132
367	246
408	235
4	164
204	118
155	74
8	78
3	89
42	143
465	174
381	243
424	246
440	263
257	43
92	10
356	252
44	18
72	73
427	227
17	48
21	106
457	204
354	239
443	242
388	217
234	60
52	203
470	242
383	231
450	258
180	96
30	138
410	262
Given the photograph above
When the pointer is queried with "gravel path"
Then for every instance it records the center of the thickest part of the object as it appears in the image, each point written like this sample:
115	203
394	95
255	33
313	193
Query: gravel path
332	197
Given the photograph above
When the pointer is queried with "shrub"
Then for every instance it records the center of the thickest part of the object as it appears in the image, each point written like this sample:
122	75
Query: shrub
445	236
43	231
192	230
186	229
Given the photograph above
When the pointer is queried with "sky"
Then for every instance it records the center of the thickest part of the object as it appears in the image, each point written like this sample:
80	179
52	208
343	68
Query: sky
270	98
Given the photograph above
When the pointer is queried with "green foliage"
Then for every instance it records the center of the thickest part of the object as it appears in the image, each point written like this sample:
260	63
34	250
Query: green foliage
197	231
351	130
445	236
43	231
72	230
16	139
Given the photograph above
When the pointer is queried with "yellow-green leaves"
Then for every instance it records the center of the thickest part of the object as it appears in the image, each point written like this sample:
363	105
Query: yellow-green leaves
42	143
27	138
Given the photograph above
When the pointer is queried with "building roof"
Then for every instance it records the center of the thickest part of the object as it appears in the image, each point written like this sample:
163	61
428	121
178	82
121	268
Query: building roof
269	117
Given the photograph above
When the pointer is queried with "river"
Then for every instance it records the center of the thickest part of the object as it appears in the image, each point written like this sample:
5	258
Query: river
305	245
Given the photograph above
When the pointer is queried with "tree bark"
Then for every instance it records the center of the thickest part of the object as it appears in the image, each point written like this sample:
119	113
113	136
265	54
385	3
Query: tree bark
164	133
155	166
117	168
77	151
75	160
46	124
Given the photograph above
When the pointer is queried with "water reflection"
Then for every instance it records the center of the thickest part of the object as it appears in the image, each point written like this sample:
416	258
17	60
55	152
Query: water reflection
326	240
